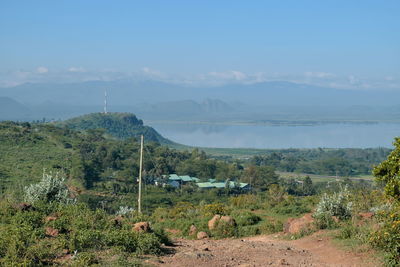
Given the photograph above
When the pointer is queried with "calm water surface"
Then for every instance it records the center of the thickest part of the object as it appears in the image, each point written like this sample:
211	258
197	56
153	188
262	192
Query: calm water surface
265	136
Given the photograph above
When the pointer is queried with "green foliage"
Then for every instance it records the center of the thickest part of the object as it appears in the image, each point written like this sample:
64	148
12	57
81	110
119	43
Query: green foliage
119	125
224	230
388	172
387	236
249	201
51	188
336	204
292	206
245	218
260	177
24	239
342	162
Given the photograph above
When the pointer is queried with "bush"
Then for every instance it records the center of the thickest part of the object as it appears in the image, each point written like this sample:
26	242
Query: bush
336	204
23	239
387	237
245	201
224	229
244	218
51	188
212	209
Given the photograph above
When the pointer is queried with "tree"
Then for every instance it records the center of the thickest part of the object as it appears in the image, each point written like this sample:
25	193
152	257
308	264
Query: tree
308	187
388	172
260	177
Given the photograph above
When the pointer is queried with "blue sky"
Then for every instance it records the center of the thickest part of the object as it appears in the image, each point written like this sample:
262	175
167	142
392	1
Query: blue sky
331	42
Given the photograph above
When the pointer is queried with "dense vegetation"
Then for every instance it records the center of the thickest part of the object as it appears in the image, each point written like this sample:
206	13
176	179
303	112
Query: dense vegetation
100	183
119	125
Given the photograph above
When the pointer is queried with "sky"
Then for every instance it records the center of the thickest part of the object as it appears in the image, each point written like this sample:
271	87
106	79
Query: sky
343	44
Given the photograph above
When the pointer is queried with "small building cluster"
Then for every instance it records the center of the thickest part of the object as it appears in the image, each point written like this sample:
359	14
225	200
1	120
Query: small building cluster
179	180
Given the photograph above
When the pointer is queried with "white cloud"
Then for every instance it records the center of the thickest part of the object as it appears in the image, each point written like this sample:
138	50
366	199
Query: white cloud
154	73
76	69
42	70
318	74
229	75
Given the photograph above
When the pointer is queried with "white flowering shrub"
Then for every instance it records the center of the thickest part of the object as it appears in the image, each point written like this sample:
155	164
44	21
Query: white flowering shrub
51	188
124	210
336	204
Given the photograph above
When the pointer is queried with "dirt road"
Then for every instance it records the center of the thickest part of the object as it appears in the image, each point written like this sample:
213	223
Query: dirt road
316	250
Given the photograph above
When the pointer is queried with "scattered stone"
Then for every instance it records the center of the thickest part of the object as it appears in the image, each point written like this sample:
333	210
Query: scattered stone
213	222
50	218
142	227
228	220
296	225
192	230
202	235
50	231
283	262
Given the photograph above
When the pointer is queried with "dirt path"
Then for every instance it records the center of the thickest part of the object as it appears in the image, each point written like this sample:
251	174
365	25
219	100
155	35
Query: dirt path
316	250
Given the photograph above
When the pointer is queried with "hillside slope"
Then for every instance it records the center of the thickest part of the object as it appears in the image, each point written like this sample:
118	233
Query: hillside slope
119	125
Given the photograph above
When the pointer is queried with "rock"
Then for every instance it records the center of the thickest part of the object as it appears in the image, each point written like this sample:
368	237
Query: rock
50	231
50	218
24	206
192	230
213	222
142	227
217	218
202	235
228	220
296	225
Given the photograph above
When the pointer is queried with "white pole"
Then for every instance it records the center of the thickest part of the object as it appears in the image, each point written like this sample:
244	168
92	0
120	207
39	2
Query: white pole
140	175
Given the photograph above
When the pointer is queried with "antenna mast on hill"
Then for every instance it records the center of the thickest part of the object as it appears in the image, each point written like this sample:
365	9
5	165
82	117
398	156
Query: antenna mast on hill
105	101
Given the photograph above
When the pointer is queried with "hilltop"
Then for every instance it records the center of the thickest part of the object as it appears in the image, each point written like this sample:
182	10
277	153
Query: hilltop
118	125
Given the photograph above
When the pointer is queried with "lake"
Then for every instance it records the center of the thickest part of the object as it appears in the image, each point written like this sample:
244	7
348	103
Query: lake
340	135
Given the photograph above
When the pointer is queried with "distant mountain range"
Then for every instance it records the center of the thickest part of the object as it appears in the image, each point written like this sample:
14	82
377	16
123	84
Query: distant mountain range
129	93
152	100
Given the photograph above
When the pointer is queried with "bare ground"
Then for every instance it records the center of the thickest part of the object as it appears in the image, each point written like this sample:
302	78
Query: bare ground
266	250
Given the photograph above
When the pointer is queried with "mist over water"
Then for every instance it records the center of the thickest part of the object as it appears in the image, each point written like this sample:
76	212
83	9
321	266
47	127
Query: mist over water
341	135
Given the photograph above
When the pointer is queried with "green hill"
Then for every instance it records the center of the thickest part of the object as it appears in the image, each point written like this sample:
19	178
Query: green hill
119	125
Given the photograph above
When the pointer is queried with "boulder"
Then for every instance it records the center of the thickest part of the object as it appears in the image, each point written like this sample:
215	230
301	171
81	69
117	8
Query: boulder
202	235
296	225
142	227
228	220
192	230
214	222
50	231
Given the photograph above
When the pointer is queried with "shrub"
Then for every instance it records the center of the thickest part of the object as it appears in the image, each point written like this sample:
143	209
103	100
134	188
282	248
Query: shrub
336	204
244	201
51	188
224	229
212	209
244	218
124	210
387	236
